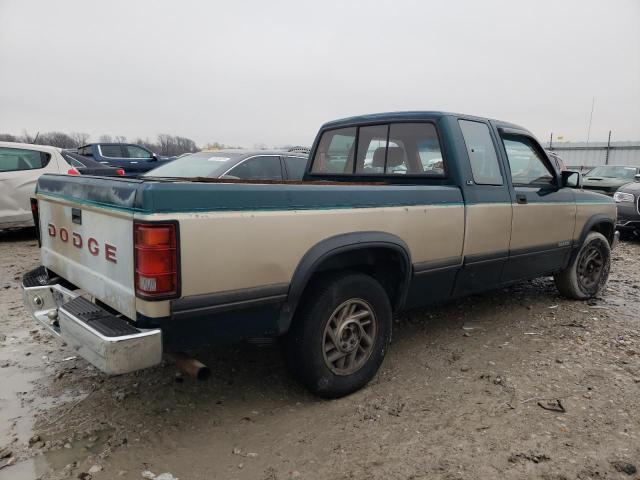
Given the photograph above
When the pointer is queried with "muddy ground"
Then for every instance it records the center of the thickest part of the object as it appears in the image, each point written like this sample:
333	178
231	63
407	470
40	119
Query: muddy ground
460	395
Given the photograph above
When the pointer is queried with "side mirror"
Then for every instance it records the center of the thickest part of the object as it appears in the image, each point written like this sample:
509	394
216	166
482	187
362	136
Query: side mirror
637	178
154	158
571	179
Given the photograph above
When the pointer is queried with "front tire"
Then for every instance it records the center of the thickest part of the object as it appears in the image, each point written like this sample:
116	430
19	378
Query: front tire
340	334
587	274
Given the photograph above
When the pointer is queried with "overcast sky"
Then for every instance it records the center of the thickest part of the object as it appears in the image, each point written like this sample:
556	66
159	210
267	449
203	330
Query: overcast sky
248	72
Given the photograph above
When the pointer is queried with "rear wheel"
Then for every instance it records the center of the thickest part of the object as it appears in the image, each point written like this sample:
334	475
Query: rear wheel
340	335
587	274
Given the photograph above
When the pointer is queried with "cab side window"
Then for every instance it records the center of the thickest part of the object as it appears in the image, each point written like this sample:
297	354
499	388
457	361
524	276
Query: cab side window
528	167
258	168
482	153
16	159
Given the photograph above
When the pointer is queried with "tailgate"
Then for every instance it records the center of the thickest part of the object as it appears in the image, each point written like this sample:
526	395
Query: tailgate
91	247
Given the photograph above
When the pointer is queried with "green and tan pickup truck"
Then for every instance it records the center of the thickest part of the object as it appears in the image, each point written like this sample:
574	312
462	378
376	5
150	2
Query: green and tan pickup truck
395	211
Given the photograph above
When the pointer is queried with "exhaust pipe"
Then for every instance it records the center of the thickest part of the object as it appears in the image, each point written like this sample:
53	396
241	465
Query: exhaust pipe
191	366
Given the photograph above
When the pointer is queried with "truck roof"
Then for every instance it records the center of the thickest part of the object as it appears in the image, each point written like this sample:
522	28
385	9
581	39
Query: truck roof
409	115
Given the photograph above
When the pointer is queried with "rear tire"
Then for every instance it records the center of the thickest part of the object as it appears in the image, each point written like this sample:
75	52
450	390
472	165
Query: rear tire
587	274
340	334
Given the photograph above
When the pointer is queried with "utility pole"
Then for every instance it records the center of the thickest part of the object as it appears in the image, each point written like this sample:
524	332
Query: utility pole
606	158
593	102
551	141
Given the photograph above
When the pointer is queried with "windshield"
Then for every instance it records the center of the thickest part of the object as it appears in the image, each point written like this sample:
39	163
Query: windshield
201	164
613	172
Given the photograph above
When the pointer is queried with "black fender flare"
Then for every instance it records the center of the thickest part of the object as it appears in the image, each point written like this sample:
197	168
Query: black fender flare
332	246
588	227
595	220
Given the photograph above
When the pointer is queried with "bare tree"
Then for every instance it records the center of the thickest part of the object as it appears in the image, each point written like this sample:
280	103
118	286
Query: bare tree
120	139
171	145
105	139
7	137
27	138
79	138
56	139
146	143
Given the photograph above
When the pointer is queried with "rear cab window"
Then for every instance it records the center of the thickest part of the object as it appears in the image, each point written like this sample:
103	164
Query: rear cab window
17	159
389	149
335	151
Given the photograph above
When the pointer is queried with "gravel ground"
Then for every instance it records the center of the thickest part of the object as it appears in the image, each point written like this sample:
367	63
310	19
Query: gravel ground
516	383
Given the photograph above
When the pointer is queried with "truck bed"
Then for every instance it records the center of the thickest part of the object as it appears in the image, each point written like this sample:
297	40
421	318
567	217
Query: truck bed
234	235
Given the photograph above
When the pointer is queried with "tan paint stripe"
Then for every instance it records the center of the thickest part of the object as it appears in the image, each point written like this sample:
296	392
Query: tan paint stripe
233	250
488	228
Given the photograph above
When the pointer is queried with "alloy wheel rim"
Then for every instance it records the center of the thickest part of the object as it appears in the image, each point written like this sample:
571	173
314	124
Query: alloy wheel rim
349	337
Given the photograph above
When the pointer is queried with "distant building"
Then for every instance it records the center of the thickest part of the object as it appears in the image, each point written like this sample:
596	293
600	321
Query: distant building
583	154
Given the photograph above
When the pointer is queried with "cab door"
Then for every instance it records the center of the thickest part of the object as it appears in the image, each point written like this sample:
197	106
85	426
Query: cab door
488	209
543	213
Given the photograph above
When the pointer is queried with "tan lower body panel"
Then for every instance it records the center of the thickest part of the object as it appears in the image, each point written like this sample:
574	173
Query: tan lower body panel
223	251
542	224
587	210
235	250
488	228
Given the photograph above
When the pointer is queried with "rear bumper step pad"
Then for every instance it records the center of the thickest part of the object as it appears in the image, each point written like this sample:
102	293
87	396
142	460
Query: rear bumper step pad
107	341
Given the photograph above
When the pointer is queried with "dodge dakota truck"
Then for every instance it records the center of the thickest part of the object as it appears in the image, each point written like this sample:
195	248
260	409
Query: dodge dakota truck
395	211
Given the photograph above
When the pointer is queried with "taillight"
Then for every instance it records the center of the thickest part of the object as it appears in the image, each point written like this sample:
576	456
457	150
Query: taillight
36	217
73	171
156	260
120	172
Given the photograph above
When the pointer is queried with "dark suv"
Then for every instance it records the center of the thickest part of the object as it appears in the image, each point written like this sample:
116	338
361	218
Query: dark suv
627	199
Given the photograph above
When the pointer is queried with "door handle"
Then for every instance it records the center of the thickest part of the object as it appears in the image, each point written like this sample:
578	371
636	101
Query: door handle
521	198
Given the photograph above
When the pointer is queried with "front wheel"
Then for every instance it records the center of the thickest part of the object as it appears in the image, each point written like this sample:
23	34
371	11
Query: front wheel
587	274
340	335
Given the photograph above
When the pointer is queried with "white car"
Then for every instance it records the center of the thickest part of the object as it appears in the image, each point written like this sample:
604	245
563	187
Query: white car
20	166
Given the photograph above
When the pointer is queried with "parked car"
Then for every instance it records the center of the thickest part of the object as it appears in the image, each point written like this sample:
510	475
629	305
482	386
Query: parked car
609	178
557	161
627	200
86	166
176	264
133	159
236	164
20	166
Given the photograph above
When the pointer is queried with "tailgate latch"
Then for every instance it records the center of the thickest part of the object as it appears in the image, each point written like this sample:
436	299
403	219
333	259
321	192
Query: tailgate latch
76	216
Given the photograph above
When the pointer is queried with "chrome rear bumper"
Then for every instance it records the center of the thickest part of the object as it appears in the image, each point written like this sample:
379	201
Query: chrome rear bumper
107	341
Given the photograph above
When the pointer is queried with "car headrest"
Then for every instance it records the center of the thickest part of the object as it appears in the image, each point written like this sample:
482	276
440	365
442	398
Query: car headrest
378	158
395	157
